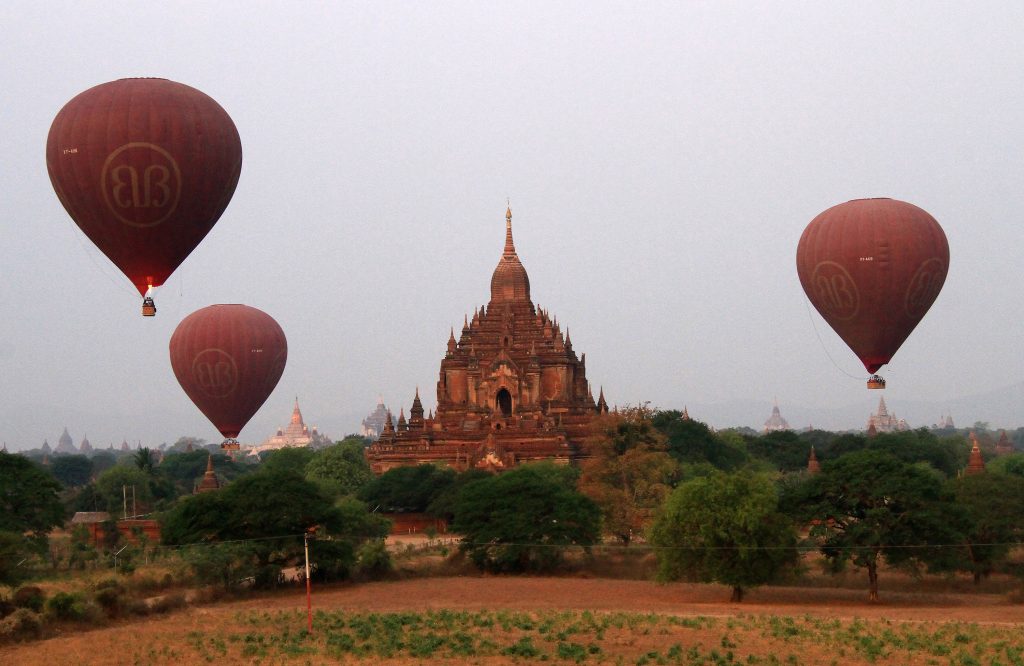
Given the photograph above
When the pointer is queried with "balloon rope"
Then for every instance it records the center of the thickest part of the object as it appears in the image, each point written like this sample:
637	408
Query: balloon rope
104	270
822	343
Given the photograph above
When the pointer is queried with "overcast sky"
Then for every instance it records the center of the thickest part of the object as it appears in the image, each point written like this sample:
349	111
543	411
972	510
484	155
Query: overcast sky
662	161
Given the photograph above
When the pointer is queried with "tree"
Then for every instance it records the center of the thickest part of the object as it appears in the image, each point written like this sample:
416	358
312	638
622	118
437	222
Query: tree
71	471
995	505
724	528
869	505
116	489
292	459
29	509
269	511
691	441
523	519
144	460
344	464
629	472
409	489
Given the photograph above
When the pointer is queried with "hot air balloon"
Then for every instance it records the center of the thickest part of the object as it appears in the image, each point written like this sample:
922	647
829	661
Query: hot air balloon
872	268
228	358
144	167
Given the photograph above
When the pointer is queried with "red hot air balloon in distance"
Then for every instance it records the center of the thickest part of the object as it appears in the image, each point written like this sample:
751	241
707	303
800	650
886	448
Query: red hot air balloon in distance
872	268
228	359
144	167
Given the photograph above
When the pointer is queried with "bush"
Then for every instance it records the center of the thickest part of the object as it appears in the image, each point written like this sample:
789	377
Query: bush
75	607
22	624
30	597
373	559
109	594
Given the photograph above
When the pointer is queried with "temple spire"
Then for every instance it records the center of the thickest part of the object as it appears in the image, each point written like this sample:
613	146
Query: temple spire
510	247
975	464
813	466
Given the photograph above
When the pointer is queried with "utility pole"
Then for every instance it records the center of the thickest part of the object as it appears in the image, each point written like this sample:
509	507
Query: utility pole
124	500
309	590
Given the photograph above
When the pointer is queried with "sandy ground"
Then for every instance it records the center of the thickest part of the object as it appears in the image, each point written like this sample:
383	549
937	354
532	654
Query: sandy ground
114	644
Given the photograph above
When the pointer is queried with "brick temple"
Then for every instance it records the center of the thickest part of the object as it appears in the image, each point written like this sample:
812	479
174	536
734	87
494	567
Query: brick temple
511	389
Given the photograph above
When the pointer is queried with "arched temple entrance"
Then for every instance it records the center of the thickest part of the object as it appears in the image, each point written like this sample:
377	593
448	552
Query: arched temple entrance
504	402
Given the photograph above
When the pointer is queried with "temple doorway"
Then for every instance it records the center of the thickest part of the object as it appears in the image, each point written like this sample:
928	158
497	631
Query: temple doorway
504	402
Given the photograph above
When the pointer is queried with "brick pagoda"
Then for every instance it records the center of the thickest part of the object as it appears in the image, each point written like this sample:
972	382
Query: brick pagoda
511	389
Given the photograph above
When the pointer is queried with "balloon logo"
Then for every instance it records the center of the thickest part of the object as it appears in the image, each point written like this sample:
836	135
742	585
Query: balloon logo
145	168
873	268
228	359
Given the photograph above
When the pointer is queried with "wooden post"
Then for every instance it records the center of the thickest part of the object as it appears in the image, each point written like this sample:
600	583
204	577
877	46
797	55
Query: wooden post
309	591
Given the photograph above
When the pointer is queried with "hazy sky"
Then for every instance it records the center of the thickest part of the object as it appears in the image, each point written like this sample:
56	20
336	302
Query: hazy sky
662	161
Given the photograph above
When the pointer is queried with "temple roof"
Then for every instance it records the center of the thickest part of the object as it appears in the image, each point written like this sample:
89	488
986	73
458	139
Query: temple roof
510	283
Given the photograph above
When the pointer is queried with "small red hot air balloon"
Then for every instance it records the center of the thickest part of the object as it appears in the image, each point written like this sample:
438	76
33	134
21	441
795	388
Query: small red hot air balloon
872	268
228	358
144	167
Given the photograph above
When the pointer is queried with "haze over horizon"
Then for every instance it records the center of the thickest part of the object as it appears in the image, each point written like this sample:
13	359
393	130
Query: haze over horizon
661	163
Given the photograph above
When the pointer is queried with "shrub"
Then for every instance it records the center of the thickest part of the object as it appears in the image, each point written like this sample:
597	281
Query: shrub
373	559
109	595
65	606
30	597
20	625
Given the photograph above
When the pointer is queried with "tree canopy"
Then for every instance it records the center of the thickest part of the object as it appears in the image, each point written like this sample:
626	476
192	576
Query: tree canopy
407	489
629	472
869	505
724	528
523	519
344	464
29	509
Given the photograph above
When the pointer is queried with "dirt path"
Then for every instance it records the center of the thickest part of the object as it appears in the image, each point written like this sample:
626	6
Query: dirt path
110	645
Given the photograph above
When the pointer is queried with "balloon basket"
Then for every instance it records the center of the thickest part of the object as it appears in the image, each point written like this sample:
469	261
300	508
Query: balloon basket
148	307
876	382
230	445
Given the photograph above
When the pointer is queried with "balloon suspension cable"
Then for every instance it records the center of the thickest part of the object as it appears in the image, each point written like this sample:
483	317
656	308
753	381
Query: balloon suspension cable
104	269
822	343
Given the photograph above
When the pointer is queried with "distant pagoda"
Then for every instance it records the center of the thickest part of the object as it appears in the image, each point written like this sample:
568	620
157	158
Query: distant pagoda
883	421
510	389
295	434
775	422
373	425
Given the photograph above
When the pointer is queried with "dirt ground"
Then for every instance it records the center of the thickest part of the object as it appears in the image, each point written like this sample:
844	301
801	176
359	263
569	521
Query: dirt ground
122	643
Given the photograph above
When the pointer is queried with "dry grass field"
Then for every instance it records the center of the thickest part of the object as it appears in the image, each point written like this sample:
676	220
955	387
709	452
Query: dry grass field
499	620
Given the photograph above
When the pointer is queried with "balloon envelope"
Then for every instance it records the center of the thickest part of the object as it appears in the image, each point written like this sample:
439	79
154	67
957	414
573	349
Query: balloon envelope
872	268
228	358
145	167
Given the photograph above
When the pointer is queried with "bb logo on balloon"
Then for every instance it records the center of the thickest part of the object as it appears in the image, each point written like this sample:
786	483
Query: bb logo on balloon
141	184
836	290
215	373
925	286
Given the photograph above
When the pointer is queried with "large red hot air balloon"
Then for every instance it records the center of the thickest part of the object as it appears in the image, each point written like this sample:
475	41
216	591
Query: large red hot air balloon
228	358
145	167
872	268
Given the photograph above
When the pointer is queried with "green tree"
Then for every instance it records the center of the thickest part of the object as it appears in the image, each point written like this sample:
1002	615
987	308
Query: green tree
145	460
724	528
29	509
407	489
869	505
693	442
524	519
995	505
269	511
71	471
1008	464
343	464
114	490
628	472
293	459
